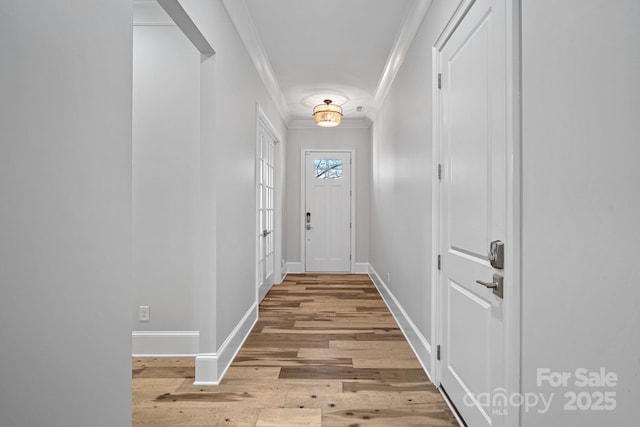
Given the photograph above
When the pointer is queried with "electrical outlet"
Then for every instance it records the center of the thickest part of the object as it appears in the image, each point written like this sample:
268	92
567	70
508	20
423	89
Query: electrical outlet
388	278
143	313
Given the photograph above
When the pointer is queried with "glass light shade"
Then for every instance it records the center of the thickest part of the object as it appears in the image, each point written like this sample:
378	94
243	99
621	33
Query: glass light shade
327	115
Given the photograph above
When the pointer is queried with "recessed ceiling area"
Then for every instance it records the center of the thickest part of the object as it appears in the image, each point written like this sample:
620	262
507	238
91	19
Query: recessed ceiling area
344	50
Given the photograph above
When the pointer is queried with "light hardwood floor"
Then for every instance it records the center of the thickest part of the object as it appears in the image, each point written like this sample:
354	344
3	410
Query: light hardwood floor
326	351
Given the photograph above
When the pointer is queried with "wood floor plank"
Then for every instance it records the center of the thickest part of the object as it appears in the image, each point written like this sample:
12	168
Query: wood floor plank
329	372
371	345
223	399
294	361
253	372
162	362
365	353
372	323
165	372
378	363
289	417
194	417
365	385
388	417
325	351
145	390
254	385
308	331
268	352
364	400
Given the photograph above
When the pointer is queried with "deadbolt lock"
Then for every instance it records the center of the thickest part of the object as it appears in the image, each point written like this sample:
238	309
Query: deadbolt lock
496	254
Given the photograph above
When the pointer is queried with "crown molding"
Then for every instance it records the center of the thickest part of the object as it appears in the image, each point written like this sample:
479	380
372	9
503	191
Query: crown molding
241	18
412	20
345	124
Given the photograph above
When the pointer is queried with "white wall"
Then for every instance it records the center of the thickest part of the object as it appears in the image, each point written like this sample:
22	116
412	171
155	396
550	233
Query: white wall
327	139
581	135
401	178
227	291
194	184
580	303
166	175
237	89
65	229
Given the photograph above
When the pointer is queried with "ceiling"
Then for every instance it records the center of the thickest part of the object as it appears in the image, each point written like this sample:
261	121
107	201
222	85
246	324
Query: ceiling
345	50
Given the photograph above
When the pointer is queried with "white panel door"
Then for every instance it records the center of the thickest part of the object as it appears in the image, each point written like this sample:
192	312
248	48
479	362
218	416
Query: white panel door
473	212
266	176
328	211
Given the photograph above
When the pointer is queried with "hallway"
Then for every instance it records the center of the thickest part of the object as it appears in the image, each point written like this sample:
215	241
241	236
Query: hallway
495	197
325	351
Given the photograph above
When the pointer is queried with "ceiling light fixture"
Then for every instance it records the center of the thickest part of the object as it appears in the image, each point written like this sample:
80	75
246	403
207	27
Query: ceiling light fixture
327	115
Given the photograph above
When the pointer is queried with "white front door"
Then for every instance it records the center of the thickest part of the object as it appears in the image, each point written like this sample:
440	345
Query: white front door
266	183
327	221
473	213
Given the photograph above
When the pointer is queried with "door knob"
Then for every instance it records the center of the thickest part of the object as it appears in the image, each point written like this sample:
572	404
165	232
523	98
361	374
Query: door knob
497	285
492	285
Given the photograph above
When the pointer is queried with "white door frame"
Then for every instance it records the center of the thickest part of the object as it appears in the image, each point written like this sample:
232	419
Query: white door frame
513	251
303	198
263	121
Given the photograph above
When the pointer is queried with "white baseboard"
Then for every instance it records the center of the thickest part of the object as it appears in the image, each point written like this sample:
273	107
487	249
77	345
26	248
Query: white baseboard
263	290
295	267
164	343
417	341
362	268
211	367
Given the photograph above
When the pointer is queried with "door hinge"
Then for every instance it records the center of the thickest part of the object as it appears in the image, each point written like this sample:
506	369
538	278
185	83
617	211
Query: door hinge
349	257
439	171
439	80
438	262
350	225
438	352
350	193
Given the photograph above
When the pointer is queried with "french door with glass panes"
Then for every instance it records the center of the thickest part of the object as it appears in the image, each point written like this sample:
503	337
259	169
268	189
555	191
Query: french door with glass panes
266	175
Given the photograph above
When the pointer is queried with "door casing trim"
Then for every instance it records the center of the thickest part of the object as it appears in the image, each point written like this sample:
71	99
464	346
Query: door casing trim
303	198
